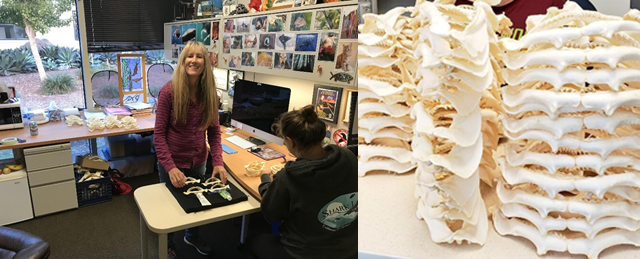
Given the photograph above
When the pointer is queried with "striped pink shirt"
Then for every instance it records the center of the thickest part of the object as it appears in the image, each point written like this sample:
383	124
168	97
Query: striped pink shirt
183	144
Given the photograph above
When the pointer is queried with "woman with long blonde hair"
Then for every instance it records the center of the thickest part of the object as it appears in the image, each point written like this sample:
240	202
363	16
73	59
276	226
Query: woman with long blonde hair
187	108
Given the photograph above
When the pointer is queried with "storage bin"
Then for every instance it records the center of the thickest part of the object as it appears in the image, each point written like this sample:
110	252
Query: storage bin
93	191
122	145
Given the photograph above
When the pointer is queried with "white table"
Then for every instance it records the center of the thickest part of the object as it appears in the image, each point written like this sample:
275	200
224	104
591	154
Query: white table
161	213
388	228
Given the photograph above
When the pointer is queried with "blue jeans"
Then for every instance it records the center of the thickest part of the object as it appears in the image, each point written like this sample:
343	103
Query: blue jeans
197	171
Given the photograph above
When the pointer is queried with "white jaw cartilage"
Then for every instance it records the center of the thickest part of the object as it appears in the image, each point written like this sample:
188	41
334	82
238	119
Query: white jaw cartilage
73	119
195	190
129	122
95	124
571	172
112	122
191	180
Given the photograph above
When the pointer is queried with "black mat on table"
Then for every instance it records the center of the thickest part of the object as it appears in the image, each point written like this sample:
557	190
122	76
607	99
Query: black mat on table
190	203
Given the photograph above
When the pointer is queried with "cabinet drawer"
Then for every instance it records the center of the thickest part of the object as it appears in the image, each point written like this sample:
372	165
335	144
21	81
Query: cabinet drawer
54	197
51	175
47	157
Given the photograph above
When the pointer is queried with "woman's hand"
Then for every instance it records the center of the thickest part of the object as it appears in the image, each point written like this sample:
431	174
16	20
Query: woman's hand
177	177
223	173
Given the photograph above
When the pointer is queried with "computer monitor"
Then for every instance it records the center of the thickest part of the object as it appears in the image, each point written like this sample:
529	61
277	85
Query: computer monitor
256	106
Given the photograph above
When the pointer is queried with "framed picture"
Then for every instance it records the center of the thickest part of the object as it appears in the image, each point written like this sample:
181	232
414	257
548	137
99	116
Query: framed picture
346	110
221	76
326	101
132	78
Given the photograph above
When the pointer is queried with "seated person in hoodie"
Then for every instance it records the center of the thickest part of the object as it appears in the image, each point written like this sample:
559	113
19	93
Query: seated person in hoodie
315	196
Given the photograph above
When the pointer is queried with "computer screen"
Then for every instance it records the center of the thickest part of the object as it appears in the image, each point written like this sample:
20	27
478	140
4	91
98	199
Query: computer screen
256	106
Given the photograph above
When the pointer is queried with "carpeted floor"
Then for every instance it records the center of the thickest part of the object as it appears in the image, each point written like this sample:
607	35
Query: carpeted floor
112	230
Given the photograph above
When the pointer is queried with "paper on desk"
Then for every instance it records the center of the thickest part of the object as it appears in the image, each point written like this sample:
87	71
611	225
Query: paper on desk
99	115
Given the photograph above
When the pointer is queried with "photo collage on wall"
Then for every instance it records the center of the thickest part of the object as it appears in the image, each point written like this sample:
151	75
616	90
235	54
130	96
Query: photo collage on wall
295	41
205	32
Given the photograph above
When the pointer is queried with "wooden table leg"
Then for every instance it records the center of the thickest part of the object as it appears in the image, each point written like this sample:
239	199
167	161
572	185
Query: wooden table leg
162	245
245	228
144	246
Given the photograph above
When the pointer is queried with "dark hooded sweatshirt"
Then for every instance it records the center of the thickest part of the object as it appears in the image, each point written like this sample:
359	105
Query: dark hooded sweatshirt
317	200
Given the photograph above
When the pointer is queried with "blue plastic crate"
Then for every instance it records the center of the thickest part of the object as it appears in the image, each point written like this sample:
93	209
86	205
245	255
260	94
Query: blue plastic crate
93	191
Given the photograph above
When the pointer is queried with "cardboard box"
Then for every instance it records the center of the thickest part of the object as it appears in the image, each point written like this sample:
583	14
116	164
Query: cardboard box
86	163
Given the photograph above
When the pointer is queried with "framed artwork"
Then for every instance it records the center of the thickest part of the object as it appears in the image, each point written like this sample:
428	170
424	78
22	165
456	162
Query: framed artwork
326	101
346	112
221	78
132	78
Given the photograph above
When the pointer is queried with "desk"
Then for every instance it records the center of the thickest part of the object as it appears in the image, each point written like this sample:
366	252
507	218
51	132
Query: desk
59	132
236	162
161	213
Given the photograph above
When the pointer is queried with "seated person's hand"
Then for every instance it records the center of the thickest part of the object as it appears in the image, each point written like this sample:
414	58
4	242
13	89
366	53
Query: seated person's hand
222	172
177	177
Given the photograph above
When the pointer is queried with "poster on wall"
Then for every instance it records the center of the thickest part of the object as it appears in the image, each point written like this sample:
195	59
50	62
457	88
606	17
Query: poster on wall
259	24
213	56
285	41
229	26
267	41
215	27
188	32
236	42
301	21
326	102
283	60
243	25
250	41
221	78
174	53
328	19
226	44
176	34
248	59
277	22
265	59
203	32
234	61
346	60
306	42
328	46
349	23
132	78
303	63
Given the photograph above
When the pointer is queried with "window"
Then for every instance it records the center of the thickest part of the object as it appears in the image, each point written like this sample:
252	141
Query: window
11	32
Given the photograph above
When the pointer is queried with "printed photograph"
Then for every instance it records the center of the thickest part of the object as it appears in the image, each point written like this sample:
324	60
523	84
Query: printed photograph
216	7
234	61
285	41
250	41
213	56
243	25
326	100
215	26
328	19
328	46
188	32
226	44
265	59
229	26
350	23
176	34
236	42
303	63
180	48
277	22
174	53
203	32
221	75
267	41
248	59
306	42
283	60
346	59
259	24
301	21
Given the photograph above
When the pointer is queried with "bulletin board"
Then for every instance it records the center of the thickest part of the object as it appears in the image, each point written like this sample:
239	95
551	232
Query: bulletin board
317	42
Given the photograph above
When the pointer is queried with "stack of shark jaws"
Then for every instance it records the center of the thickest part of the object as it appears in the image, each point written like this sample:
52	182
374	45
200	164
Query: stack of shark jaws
386	92
571	170
455	48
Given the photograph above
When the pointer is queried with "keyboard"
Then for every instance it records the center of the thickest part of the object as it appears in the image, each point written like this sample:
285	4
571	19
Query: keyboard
240	142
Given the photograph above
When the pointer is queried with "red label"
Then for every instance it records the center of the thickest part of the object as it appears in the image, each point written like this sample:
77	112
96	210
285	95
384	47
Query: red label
340	137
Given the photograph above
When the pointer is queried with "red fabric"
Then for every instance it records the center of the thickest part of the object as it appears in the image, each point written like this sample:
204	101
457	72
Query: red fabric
519	10
183	145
